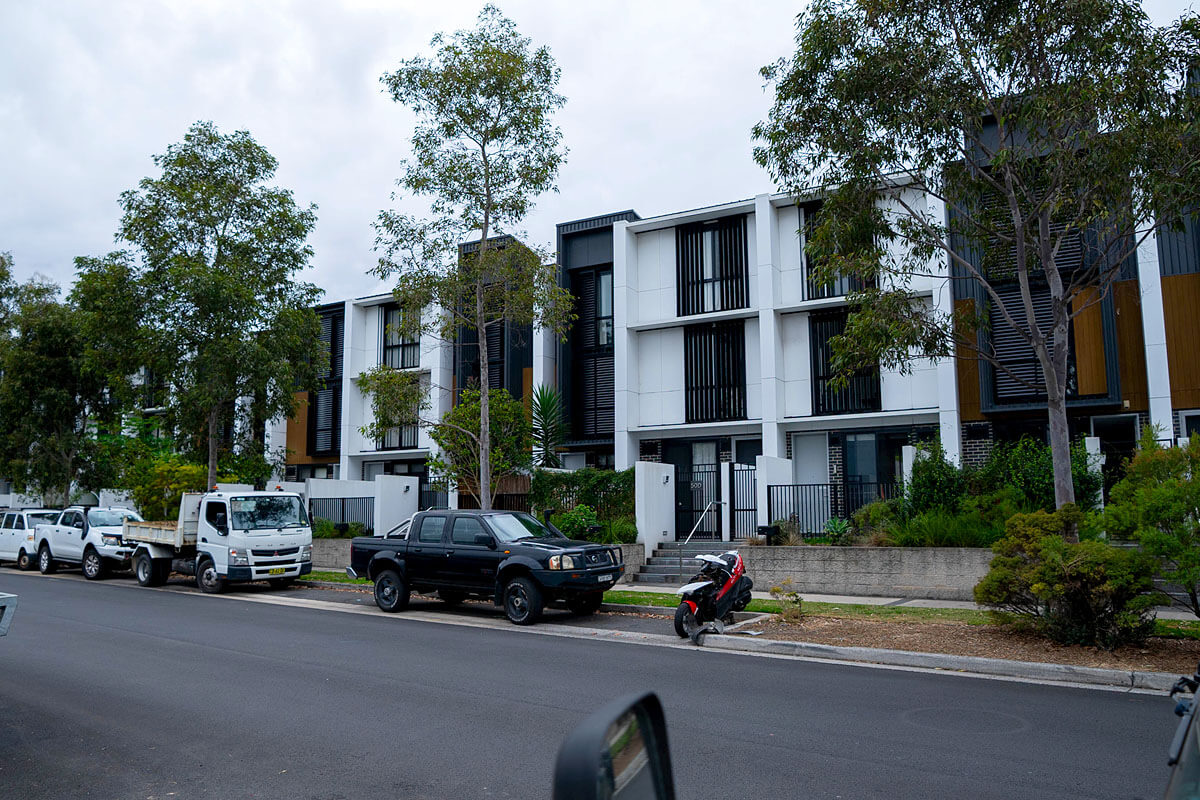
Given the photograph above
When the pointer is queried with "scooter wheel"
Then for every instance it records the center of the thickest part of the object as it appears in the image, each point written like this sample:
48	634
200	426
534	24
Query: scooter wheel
681	615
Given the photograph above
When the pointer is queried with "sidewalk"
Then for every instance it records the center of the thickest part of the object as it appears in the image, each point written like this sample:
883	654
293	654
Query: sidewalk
1164	612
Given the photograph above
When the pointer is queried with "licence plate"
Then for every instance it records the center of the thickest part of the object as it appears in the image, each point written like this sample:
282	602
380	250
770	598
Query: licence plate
275	571
603	578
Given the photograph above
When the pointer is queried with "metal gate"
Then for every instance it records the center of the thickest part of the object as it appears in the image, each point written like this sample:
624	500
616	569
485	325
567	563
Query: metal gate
695	489
745	502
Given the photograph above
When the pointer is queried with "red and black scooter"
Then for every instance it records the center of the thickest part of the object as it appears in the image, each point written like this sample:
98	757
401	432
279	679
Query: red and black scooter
709	600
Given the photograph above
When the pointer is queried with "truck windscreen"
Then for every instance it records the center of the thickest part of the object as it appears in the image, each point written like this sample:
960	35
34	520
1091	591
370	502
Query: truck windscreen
267	511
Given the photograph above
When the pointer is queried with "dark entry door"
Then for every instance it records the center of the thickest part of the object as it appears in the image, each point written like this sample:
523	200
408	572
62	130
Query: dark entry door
697	484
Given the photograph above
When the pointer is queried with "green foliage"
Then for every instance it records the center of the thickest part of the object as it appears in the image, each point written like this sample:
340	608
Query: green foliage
325	529
484	146
1026	466
940	528
791	604
880	105
220	314
875	521
458	437
1158	504
548	417
1087	593
398	397
608	491
577	522
837	530
157	484
935	483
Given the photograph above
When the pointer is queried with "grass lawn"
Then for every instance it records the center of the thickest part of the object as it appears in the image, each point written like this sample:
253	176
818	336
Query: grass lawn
333	577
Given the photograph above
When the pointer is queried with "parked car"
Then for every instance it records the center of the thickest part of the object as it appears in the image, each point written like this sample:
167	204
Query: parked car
507	557
18	538
87	537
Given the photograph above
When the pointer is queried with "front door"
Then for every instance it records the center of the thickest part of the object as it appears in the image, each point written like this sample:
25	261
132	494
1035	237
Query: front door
697	488
471	565
72	530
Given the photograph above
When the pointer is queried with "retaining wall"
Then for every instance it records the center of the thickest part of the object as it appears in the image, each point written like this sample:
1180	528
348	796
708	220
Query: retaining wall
936	573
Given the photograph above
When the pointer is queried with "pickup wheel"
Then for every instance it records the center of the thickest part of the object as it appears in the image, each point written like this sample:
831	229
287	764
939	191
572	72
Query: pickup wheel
523	602
147	571
93	564
391	593
45	560
585	603
451	597
24	561
208	579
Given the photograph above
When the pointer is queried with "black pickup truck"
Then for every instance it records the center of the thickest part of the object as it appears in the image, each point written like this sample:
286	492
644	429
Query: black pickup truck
507	557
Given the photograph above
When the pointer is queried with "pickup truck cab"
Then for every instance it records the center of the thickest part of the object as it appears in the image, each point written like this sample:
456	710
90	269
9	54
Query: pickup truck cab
18	537
507	557
88	537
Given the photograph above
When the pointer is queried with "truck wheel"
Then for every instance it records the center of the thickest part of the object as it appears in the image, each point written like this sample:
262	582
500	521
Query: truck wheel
281	583
451	597
208	579
93	565
681	615
585	603
391	593
144	571
45	560
523	601
24	561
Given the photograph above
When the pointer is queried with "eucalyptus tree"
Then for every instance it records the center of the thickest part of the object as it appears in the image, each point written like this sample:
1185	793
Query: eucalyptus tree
483	148
225	316
1034	143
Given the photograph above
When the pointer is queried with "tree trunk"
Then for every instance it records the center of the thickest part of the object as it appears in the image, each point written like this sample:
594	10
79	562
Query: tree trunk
214	423
485	422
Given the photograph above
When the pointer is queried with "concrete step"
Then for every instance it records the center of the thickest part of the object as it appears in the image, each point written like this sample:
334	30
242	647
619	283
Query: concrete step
688	561
667	569
699	546
662	580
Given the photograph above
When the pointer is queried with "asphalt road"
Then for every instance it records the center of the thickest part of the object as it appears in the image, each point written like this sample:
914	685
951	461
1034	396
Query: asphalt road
111	690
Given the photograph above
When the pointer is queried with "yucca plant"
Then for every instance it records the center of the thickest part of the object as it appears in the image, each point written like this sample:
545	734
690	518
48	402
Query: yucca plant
549	426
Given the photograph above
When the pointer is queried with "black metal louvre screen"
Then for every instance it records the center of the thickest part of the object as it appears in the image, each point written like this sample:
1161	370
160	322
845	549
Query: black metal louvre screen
710	266
1023	368
593	369
861	392
715	371
325	405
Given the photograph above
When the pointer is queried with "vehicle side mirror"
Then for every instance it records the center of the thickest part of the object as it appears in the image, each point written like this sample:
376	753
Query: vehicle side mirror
485	539
221	523
619	751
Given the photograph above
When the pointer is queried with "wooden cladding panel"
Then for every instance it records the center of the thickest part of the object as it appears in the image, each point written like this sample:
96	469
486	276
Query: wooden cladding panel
297	434
1131	348
1181	309
967	370
1089	345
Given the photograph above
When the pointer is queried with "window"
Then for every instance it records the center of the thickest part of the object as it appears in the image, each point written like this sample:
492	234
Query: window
842	285
465	529
431	530
216	515
18	522
399	351
401	438
7	521
715	371
860	393
325	404
711	273
592	397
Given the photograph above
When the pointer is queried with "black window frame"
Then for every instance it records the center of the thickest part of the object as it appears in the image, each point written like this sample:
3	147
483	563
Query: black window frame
396	351
728	286
861	394
714	356
593	401
325	404
402	437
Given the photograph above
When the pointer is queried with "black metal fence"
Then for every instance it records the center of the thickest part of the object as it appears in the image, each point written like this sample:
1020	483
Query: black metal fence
807	507
745	502
344	510
432	498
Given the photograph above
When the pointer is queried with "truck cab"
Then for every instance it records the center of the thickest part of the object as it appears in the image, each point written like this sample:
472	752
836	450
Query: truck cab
88	537
227	537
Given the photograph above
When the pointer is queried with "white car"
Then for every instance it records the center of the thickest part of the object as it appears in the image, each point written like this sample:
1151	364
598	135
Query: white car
18	540
89	537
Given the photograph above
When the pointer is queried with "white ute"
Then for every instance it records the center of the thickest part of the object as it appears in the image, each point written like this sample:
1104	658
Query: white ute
225	537
18	537
87	537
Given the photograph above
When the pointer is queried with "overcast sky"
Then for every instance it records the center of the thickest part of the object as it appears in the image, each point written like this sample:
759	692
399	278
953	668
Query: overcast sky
661	97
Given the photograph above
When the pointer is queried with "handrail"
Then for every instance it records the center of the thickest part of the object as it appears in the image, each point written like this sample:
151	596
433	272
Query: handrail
696	527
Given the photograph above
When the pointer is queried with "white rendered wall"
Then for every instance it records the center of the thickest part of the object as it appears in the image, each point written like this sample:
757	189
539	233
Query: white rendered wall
654	501
1154	333
626	397
797	365
396	499
660	377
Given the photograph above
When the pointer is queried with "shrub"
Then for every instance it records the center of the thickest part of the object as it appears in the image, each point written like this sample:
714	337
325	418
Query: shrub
1086	593
935	482
875	521
1158	504
1026	466
608	492
940	528
324	529
791	605
577	522
837	530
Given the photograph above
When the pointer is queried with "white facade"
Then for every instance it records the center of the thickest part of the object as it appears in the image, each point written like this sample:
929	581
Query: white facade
650	382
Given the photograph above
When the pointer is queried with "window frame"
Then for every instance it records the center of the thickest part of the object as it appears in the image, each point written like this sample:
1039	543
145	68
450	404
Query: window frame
394	346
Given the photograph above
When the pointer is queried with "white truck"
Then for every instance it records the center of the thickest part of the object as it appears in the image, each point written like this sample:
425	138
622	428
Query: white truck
87	537
226	537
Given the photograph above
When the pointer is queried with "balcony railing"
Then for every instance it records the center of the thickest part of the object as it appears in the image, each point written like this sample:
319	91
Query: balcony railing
860	393
402	438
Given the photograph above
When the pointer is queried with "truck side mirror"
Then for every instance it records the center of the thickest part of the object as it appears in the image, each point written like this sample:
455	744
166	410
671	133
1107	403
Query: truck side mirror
221	524
485	539
619	751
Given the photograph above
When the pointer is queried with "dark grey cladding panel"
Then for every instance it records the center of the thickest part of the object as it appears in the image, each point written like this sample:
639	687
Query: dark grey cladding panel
593	223
1177	248
588	249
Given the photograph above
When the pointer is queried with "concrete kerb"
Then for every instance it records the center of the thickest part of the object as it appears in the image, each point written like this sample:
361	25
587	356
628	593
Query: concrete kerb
996	667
